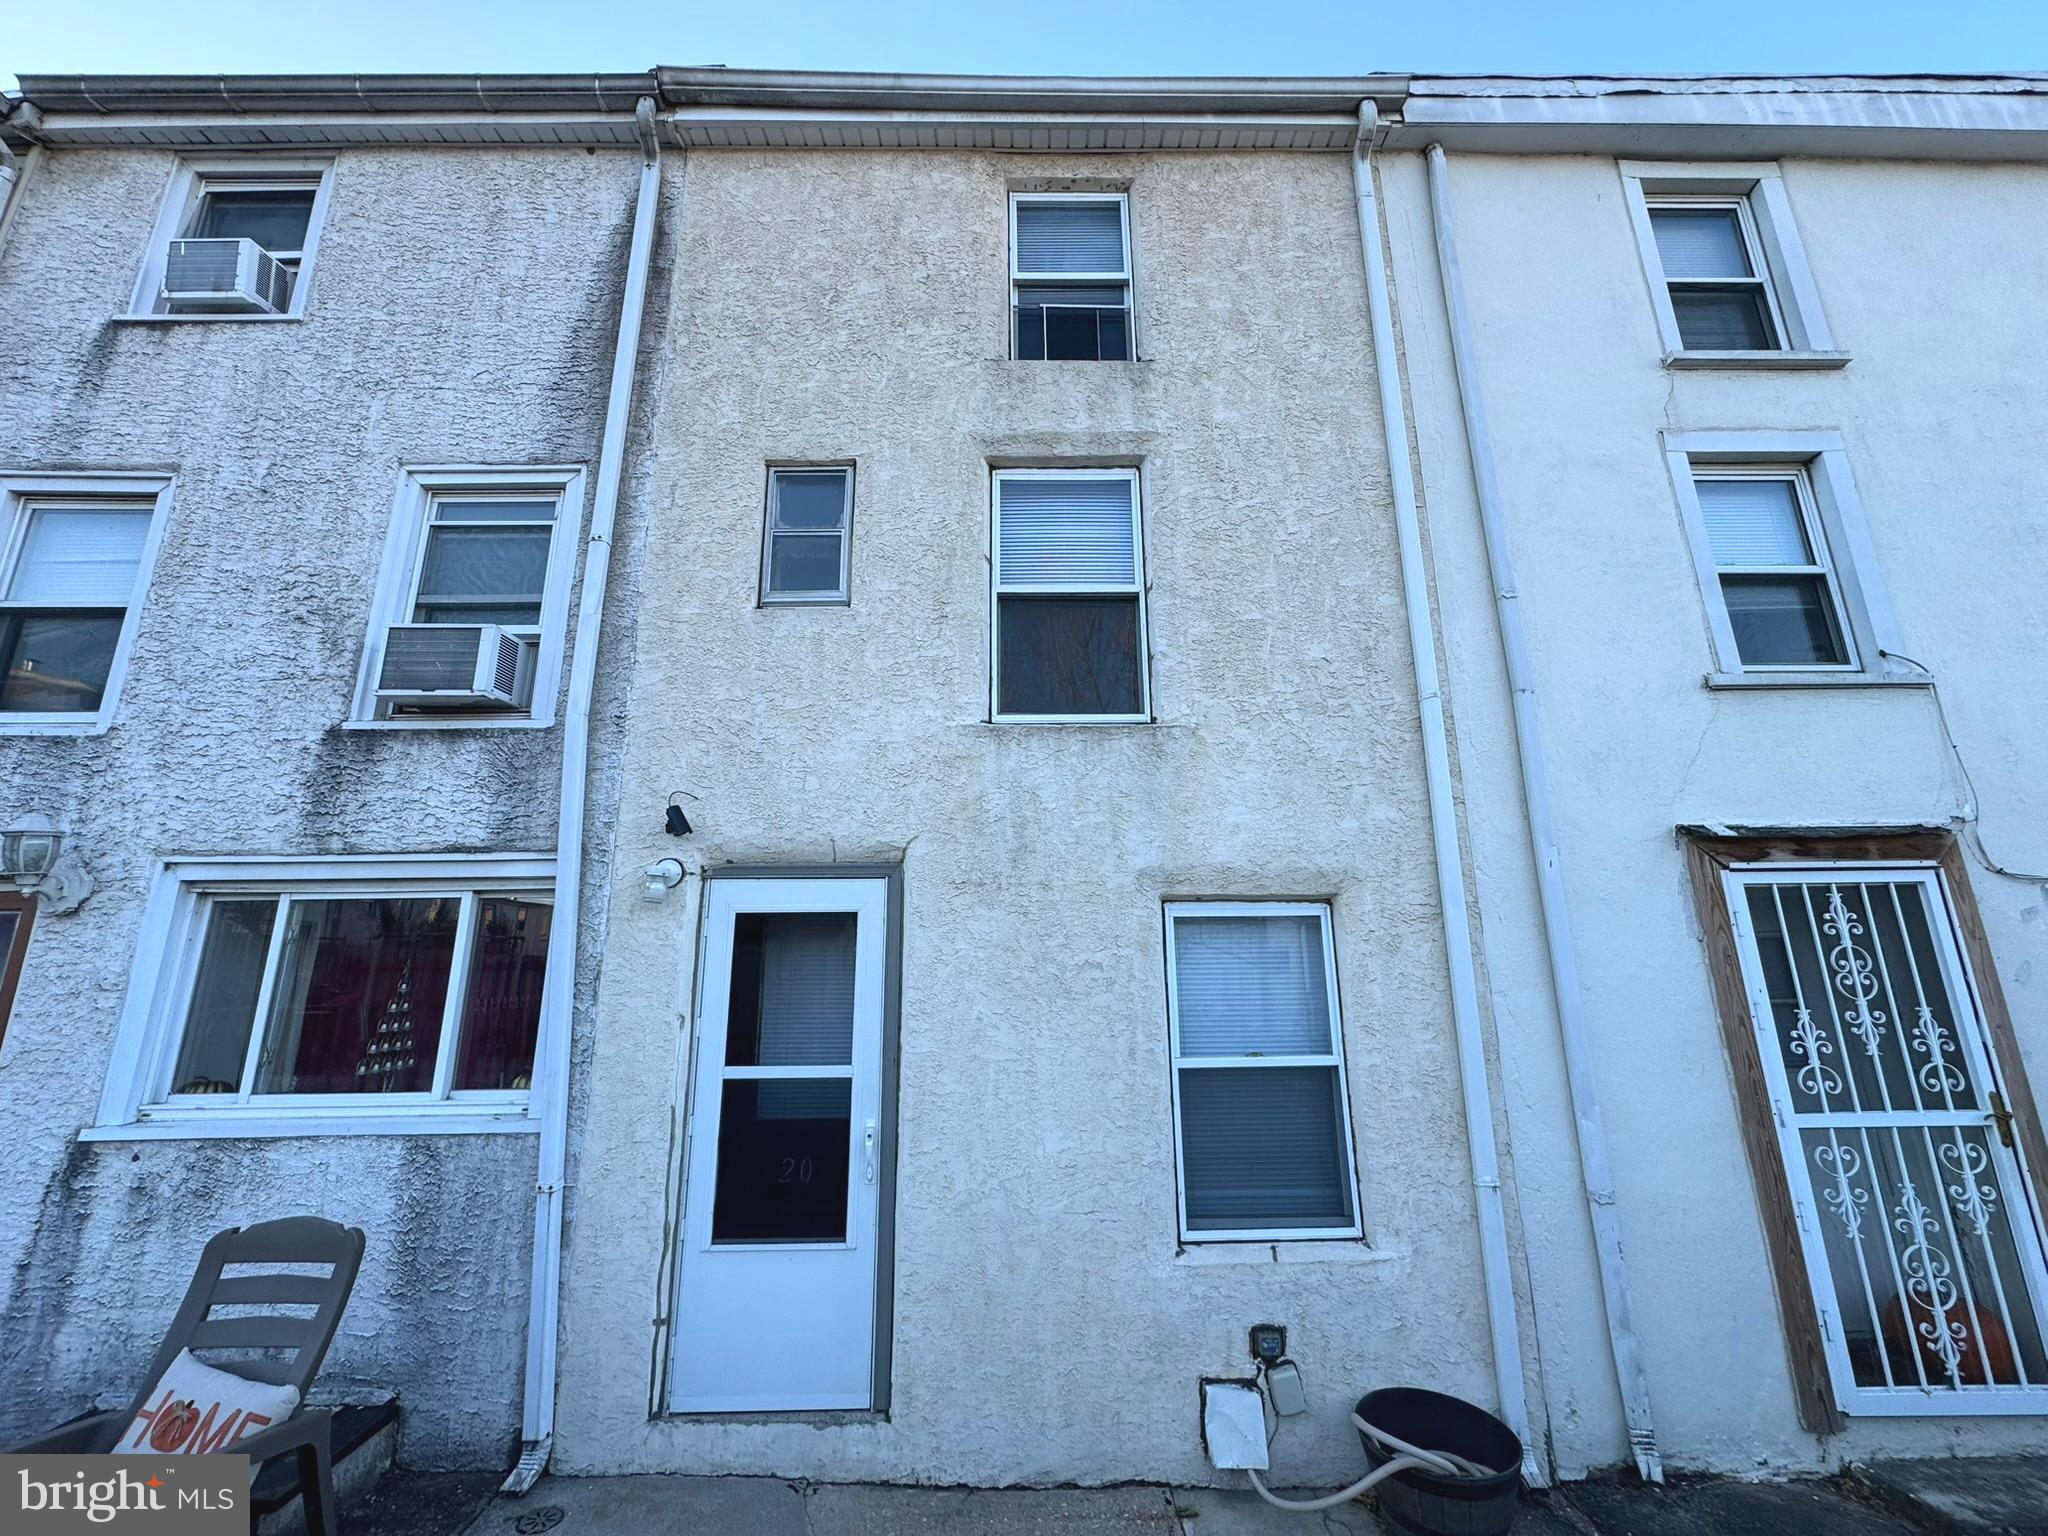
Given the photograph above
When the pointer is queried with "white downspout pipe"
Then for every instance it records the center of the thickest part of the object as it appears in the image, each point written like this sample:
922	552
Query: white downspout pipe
558	999
1557	923
1502	1323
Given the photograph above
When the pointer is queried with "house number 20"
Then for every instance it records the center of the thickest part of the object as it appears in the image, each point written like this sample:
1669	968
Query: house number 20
796	1171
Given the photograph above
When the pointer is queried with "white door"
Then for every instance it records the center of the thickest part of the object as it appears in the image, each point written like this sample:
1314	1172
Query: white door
776	1305
1924	1252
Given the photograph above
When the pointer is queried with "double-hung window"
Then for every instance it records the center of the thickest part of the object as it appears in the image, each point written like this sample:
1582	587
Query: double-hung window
1714	270
804	543
1728	277
1258	1072
337	988
468	626
1070	276
236	238
17	917
1068	604
73	564
1771	563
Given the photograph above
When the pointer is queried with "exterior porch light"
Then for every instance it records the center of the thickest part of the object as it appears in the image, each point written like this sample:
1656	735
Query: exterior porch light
28	851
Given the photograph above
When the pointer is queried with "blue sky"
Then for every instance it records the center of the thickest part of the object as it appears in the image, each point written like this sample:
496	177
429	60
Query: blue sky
1044	37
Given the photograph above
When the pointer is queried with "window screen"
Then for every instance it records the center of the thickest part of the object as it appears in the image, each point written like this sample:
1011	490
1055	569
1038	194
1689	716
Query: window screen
1720	293
65	601
1258	1071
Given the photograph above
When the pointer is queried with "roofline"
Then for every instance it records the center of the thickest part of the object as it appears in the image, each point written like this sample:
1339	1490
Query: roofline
843	90
319	95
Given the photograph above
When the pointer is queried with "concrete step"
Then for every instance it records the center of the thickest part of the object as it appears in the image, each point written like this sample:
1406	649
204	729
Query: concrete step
365	1443
1964	1496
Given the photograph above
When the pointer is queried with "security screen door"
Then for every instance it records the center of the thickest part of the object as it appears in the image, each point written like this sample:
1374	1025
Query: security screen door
1921	1240
776	1306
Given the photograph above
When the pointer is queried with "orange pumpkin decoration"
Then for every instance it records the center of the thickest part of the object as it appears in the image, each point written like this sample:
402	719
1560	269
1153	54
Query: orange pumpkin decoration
173	1426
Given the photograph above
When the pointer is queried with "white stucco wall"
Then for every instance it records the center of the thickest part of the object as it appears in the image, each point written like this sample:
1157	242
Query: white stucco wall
1942	416
1047	1328
463	310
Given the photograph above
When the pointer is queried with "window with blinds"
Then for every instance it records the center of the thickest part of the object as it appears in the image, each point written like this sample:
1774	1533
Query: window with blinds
1070	277
1720	285
1771	561
1067	599
1263	1122
66	586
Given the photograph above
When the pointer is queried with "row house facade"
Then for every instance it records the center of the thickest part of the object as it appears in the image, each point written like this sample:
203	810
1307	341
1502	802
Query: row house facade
866	761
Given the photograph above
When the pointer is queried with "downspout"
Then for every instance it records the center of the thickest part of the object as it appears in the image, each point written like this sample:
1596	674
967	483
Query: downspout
1502	1323
15	170
1629	1373
558	1001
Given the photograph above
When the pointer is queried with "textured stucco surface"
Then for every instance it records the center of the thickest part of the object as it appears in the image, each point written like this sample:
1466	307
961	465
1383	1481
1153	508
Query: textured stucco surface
1941	417
462	310
1046	1328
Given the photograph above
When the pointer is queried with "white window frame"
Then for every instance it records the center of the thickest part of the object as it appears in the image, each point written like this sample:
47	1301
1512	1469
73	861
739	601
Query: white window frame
998	589
1961	984
1320	910
1020	280
405	549
187	189
135	1104
844	594
1839	535
1757	192
20	493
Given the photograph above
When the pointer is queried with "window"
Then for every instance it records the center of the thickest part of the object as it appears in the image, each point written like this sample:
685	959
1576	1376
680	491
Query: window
469	623
1784	559
1771	562
340	987
236	239
1258	1072
1714	269
1070	276
1888	1117
809	526
74	560
17	916
1728	277
1069	607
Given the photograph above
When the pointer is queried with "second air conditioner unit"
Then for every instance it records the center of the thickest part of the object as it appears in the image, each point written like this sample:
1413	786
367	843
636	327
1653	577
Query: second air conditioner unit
456	664
229	276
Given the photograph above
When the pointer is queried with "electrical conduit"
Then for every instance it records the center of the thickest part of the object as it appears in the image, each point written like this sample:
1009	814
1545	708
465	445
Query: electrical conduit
1498	1279
552	1048
1630	1376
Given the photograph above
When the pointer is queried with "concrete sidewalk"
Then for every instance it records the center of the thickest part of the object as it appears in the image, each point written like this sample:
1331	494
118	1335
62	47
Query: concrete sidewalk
748	1506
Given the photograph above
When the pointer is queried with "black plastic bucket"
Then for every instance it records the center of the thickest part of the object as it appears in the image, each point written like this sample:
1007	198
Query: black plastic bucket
1423	1503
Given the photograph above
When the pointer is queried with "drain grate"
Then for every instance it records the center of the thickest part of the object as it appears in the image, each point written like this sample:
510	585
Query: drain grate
534	1521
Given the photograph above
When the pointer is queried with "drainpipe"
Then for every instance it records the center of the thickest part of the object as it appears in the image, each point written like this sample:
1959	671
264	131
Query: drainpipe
1557	923
558	1000
15	170
1502	1324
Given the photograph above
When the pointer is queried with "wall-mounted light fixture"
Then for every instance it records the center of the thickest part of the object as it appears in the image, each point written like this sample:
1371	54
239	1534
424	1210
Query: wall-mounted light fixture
39	860
662	876
29	850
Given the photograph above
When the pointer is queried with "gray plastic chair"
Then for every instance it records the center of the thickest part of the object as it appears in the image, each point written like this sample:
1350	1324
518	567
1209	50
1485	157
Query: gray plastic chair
284	1349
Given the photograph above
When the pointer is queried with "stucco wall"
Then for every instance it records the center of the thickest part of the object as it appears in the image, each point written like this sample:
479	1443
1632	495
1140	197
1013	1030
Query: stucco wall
1046	1327
1942	418
462	310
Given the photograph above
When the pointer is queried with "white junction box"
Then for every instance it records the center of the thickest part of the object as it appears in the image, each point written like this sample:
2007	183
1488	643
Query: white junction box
1234	1426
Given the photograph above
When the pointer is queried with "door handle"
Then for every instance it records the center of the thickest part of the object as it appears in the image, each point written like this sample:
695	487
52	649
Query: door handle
2002	1118
867	1142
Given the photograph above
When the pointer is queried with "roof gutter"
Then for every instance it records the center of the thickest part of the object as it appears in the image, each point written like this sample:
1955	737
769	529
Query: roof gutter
1502	1323
1630	1376
558	999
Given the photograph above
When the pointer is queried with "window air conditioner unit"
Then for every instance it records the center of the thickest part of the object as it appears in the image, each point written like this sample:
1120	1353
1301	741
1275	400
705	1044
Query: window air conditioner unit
456	664
228	275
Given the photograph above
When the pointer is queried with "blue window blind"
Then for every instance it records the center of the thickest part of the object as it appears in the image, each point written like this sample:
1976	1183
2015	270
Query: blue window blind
1062	238
1076	529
